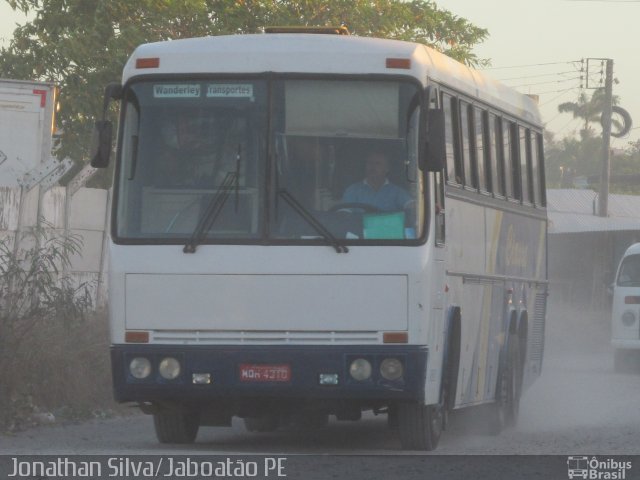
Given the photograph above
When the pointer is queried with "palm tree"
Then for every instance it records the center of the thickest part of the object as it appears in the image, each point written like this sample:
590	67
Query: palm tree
590	110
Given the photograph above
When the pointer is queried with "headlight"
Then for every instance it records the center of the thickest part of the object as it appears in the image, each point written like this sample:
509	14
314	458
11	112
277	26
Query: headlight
628	318
169	368
360	369
391	369
140	368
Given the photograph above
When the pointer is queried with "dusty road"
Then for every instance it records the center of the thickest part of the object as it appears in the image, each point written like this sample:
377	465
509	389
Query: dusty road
579	406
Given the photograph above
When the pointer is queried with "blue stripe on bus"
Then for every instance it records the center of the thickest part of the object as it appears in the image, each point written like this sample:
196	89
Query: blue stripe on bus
306	362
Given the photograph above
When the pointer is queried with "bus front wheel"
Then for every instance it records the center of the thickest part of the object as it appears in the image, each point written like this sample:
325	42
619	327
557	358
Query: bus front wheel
419	426
176	426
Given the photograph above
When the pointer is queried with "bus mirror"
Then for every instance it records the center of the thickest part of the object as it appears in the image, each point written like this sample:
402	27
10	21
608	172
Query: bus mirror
101	144
103	129
113	91
433	156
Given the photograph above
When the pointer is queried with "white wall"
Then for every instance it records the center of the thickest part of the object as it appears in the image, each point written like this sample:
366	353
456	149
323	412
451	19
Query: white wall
85	214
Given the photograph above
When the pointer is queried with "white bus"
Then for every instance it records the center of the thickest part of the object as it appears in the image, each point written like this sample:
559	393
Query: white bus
279	250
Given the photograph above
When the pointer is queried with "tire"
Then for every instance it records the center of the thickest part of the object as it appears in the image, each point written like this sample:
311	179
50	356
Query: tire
419	426
392	418
626	121
265	423
176	426
450	379
504	412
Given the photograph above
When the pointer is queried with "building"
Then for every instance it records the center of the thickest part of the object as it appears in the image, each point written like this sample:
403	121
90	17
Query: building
584	249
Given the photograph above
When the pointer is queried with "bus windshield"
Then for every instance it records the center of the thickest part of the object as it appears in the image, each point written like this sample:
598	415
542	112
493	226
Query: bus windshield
629	275
288	160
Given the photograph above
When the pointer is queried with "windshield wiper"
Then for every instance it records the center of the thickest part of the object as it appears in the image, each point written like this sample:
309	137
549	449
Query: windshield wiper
237	179
211	213
311	220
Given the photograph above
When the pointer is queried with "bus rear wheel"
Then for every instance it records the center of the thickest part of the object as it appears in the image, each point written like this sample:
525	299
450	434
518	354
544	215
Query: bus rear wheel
176	426
419	426
507	405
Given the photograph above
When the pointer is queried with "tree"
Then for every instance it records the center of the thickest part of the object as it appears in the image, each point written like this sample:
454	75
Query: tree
588	109
573	160
82	46
572	157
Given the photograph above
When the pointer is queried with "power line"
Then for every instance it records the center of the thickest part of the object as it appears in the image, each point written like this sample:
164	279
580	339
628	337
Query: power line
562	93
535	76
532	65
546	83
587	75
553	118
566	125
556	91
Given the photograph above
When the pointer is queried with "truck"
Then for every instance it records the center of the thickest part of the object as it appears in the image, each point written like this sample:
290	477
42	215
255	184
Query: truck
27	116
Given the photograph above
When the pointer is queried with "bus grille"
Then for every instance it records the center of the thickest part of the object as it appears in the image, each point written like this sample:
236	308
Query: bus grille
226	337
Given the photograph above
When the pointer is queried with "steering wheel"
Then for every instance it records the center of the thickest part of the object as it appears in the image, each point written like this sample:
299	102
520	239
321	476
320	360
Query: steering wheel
355	206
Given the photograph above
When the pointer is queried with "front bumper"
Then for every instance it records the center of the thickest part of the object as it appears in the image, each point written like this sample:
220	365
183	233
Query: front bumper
306	364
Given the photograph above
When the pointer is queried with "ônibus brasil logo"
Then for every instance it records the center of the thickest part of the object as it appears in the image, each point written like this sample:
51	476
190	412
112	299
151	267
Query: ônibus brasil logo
597	469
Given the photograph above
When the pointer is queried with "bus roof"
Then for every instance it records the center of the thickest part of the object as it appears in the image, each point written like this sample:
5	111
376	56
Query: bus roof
325	54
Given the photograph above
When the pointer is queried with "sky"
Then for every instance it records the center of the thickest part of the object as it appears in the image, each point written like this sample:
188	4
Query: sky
546	36
536	46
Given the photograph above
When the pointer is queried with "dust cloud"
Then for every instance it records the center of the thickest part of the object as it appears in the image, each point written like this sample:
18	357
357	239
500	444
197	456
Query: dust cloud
579	405
578	386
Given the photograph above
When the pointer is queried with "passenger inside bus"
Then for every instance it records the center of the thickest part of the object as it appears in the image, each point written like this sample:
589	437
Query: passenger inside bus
183	150
376	190
200	150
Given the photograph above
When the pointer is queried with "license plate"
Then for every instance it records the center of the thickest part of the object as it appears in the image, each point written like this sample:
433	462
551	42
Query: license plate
265	373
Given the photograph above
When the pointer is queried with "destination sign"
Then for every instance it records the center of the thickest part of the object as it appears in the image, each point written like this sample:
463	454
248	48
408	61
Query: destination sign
176	91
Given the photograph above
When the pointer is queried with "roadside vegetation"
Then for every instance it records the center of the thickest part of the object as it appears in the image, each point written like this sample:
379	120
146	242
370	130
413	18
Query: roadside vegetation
53	346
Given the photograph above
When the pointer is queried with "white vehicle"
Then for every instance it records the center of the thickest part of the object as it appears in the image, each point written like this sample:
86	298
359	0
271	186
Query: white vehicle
27	116
625	329
253	272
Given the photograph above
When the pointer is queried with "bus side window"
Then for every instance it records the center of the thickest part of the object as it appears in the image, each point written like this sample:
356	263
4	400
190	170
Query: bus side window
496	158
541	169
512	162
466	129
525	164
515	161
484	169
536	173
507	155
454	166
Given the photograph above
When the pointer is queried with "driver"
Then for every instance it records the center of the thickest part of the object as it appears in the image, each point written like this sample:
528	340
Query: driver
376	189
178	162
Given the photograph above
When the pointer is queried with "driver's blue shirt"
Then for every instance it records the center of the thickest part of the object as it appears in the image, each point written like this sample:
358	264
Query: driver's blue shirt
388	197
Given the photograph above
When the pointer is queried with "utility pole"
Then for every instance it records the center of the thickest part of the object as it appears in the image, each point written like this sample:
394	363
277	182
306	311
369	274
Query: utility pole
603	196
